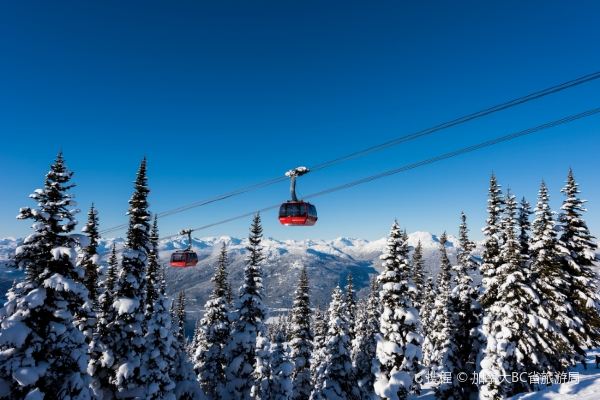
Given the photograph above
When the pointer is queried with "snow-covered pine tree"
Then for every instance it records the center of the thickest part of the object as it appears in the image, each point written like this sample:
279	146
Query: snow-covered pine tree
277	325
425	314
465	312
399	340
108	291
229	294
524	227
263	384
301	339
248	321
578	254
88	260
125	334
364	345
350	305
405	253
42	352
213	333
510	323
101	358
440	334
180	318
418	275
158	353
548	280
319	338
491	243
335	377
281	369
153	271
195	342
404	249
182	372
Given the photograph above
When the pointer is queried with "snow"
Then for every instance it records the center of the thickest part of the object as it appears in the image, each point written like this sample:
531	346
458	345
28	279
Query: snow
60	283
297	171
587	387
125	305
59	252
35	394
13	332
35	298
29	375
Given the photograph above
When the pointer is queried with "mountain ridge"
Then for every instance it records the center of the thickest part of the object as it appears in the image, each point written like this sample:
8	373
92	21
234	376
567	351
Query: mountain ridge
328	263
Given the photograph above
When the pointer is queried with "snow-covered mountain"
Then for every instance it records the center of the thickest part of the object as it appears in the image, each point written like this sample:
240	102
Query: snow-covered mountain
328	262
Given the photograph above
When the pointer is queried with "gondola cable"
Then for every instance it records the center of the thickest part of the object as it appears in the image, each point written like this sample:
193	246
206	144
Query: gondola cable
393	142
411	166
404	168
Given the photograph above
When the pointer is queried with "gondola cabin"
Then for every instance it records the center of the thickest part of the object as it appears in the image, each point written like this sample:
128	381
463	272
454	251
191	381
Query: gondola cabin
297	213
184	259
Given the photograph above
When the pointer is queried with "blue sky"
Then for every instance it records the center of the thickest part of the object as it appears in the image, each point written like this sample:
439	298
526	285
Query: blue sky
219	95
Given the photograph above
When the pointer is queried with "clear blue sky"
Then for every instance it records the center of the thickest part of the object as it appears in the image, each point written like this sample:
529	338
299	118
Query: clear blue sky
224	94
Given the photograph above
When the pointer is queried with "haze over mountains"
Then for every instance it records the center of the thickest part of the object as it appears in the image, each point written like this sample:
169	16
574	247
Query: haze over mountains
328	262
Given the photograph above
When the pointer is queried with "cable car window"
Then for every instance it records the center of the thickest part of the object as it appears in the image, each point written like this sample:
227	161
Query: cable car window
178	257
313	210
293	210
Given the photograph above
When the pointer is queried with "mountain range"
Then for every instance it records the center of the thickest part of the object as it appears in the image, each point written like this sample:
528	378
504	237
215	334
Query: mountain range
328	263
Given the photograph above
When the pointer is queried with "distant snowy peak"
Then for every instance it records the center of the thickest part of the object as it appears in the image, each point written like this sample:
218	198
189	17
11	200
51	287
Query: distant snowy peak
341	246
429	240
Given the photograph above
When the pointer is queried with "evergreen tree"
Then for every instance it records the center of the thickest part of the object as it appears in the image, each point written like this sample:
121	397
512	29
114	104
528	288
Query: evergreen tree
404	249
262	382
159	351
578	253
364	346
301	339
213	334
125	334
195	342
248	321
42	352
426	322
101	357
510	323
418	276
152	271
85	317
182	372
108	291
279	325
399	340
335	378
548	281
441	318
491	245
89	260
180	319
524	227
319	339
281	369
350	305
465	339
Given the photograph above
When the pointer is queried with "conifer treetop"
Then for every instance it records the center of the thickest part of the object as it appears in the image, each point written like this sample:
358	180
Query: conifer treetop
139	217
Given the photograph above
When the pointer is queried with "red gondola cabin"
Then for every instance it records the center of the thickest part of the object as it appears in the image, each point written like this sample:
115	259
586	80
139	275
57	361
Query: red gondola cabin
297	213
184	258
